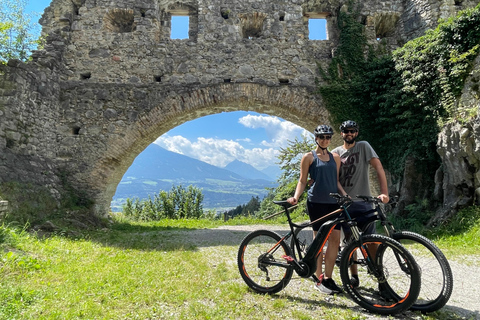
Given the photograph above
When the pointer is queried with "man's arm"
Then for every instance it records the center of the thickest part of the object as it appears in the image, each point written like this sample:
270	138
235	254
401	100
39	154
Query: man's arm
382	179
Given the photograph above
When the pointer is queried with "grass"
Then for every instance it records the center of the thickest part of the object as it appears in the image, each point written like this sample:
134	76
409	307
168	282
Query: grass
148	271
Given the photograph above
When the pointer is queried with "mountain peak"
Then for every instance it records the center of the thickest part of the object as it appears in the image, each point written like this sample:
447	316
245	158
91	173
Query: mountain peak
247	171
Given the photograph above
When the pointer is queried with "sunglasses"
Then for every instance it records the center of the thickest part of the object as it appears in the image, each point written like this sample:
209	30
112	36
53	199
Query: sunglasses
322	137
349	130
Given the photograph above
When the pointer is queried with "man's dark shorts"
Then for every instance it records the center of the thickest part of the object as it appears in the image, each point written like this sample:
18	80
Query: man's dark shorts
357	211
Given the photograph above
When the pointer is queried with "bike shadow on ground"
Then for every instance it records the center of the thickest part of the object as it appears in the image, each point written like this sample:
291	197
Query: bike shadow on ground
342	301
461	313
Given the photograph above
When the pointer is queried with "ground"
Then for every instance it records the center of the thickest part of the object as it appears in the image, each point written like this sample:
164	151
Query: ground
464	301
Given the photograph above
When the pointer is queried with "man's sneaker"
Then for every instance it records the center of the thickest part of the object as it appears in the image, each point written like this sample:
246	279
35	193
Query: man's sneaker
385	292
354	281
329	286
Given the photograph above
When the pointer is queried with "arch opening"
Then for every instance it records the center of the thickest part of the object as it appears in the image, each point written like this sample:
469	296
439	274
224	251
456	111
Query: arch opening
230	156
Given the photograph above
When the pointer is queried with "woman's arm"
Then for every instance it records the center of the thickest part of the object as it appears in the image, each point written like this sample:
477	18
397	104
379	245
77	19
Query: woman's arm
307	160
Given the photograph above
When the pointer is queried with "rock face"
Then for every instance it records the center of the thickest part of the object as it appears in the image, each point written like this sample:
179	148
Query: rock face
459	147
110	79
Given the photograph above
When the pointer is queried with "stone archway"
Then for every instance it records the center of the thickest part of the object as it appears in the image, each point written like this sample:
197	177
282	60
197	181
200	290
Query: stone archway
103	170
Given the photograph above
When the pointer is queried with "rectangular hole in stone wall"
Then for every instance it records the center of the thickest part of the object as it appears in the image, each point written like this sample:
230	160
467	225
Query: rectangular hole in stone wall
179	27
317	29
283	81
157	78
85	75
227	80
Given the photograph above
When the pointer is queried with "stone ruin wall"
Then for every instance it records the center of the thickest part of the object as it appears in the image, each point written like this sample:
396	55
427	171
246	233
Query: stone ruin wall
110	80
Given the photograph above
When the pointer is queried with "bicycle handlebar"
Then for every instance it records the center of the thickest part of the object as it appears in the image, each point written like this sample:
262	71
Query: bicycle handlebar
341	200
370	199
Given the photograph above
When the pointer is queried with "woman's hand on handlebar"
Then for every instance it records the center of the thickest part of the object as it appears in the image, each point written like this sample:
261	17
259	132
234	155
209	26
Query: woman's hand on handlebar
292	200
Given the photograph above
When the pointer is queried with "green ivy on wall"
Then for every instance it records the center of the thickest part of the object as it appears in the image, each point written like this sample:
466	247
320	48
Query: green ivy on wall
401	99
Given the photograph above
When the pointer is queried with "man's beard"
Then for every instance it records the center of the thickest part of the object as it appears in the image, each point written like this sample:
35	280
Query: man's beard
349	140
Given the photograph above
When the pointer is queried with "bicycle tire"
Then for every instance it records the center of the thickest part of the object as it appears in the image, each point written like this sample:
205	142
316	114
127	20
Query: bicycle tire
398	284
261	277
437	277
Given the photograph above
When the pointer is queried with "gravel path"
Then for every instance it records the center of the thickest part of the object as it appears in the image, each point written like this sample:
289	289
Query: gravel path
464	302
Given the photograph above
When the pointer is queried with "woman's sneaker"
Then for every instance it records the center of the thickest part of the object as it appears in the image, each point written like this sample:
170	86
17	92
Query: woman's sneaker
328	286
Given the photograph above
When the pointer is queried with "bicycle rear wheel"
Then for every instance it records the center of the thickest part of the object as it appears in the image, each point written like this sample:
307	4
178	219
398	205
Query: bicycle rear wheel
437	277
389	283
261	261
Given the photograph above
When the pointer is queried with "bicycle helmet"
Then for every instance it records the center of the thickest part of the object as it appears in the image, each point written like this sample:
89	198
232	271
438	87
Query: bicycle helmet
323	129
349	124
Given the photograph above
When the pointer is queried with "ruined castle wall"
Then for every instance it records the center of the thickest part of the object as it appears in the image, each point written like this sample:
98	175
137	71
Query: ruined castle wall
110	79
28	113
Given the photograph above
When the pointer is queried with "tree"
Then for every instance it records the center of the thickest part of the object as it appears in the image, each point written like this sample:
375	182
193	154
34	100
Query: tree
249	209
18	34
289	161
178	203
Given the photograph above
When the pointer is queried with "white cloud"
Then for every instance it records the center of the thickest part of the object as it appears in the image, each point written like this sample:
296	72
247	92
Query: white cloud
279	132
220	152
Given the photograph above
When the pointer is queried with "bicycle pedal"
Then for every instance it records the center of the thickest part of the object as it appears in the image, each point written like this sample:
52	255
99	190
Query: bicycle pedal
288	258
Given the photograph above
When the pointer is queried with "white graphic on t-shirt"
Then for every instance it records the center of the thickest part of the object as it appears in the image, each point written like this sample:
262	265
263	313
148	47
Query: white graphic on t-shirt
348	169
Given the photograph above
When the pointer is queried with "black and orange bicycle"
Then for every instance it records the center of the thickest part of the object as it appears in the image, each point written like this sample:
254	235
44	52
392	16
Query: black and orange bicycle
390	279
437	276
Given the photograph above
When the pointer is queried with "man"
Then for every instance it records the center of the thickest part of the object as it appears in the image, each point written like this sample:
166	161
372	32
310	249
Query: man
356	156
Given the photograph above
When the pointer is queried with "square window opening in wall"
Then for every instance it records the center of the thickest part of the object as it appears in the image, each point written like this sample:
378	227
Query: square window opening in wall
317	29
179	27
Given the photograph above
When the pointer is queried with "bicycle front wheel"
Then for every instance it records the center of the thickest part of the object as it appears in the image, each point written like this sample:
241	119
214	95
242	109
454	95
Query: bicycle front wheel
437	277
261	261
389	282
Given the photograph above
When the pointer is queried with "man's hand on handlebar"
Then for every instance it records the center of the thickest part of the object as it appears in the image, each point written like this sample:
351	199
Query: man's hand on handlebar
384	198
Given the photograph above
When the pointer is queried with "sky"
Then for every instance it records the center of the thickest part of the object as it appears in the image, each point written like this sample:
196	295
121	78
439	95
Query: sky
219	139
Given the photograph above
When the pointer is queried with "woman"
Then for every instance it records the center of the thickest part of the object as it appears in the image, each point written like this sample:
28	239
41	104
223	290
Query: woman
323	168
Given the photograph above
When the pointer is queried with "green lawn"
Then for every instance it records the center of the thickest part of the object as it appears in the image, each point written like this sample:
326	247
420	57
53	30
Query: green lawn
147	271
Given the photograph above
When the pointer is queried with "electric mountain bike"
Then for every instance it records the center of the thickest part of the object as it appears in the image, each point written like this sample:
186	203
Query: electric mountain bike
437	277
389	278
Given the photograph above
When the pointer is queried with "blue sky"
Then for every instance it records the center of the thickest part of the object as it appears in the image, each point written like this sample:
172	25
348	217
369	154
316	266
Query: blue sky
219	139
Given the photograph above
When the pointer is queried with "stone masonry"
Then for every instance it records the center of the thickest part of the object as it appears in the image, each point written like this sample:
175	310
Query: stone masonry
110	80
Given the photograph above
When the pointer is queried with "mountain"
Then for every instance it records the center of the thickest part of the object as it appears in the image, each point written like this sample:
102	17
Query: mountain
158	169
156	163
273	172
246	171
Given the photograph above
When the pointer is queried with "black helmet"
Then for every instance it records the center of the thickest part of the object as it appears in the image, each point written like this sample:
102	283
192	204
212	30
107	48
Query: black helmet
323	129
349	124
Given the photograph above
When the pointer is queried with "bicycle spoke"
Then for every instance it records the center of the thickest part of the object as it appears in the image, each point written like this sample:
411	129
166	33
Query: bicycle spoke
261	262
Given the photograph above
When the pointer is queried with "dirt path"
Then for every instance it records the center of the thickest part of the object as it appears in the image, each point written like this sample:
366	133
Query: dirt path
464	302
